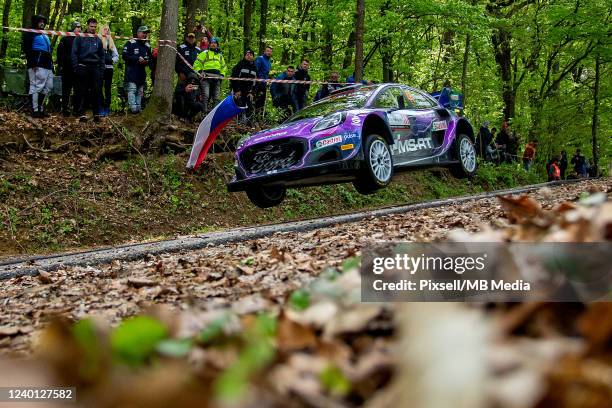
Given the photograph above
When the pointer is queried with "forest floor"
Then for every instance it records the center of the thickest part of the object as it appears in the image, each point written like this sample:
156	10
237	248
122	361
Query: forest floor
62	187
327	348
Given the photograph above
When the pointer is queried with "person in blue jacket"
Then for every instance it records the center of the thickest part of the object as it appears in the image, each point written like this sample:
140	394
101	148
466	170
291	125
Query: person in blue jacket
263	64
137	55
40	66
282	93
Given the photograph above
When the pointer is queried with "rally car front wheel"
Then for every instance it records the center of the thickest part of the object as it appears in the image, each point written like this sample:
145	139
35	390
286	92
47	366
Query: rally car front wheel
465	152
266	196
378	166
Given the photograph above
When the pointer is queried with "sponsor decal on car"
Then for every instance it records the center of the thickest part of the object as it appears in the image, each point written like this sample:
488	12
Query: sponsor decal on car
328	141
348	146
349	136
411	145
356	121
398	119
439	125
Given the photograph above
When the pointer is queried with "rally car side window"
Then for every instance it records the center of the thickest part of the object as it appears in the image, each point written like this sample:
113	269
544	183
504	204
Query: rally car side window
420	100
386	100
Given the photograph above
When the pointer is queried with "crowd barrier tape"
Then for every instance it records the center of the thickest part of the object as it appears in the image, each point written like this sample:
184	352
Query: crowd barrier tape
169	44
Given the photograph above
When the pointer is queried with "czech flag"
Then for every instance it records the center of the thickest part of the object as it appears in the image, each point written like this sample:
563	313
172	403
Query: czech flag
210	128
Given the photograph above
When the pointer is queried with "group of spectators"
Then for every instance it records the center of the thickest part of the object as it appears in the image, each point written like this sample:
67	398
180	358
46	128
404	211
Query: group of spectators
86	65
503	148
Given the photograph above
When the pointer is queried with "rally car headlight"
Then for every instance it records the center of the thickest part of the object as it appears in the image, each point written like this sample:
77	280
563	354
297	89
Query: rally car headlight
329	121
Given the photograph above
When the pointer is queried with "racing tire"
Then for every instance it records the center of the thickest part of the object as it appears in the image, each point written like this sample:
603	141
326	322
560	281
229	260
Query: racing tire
465	152
266	196
377	171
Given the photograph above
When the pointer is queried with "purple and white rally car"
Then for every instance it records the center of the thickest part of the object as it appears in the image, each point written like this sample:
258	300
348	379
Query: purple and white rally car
360	134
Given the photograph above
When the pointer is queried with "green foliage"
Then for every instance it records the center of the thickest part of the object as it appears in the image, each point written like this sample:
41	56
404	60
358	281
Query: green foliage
334	381
135	340
299	299
257	352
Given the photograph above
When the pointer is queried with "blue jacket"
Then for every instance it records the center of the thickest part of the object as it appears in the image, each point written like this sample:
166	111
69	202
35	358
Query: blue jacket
39	55
87	51
279	89
263	65
134	71
190	53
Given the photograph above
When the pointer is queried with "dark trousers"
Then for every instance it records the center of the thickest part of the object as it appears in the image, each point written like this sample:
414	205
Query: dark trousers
67	86
260	96
107	85
88	84
285	104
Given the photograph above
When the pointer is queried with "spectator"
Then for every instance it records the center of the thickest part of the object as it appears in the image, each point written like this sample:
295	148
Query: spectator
554	173
189	52
137	55
445	94
580	164
282	96
206	36
563	164
513	147
484	139
40	67
529	154
503	141
243	90
211	62
188	97
300	91
328	88
88	63
111	57
65	69
263	63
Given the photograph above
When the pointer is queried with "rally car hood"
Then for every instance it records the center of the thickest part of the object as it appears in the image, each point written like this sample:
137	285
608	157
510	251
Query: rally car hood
299	128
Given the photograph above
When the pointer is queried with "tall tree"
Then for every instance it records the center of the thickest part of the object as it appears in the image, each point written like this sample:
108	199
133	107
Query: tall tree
263	25
595	121
43	7
29	7
6	11
191	11
348	52
161	101
359	29
247	24
76	7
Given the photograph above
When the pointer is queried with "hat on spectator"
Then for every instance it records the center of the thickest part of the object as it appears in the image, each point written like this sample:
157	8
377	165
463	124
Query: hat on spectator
74	25
215	40
191	35
143	29
249	51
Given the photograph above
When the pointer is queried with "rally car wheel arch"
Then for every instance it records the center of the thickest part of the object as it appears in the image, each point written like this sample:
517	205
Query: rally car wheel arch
377	169
266	196
465	153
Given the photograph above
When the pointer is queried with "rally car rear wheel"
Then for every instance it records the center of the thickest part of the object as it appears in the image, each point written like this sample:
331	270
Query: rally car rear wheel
378	166
266	196
465	152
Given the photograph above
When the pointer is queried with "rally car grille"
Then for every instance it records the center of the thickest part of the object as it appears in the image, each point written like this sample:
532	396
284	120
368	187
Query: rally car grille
271	156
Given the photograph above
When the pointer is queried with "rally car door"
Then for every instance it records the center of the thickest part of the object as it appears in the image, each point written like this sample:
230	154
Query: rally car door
409	124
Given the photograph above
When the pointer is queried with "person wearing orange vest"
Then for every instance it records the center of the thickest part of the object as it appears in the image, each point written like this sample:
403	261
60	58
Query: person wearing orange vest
554	172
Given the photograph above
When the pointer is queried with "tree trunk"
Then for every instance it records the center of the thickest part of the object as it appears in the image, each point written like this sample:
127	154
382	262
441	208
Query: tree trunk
161	100
202	10
359	27
59	20
466	57
43	8
595	123
348	53
76	6
263	25
247	24
503	57
5	22
191	10
29	7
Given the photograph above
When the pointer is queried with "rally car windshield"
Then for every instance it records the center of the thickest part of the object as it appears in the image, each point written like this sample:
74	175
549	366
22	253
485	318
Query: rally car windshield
343	101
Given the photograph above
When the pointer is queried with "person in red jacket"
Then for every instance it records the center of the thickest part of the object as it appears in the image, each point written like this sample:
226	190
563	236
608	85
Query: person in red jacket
554	172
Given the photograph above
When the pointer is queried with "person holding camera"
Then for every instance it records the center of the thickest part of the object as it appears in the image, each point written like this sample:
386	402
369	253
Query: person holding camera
137	56
188	97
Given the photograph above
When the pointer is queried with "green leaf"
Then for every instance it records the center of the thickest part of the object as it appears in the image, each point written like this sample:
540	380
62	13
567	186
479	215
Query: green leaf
299	299
214	330
136	339
334	381
351	263
174	347
330	274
